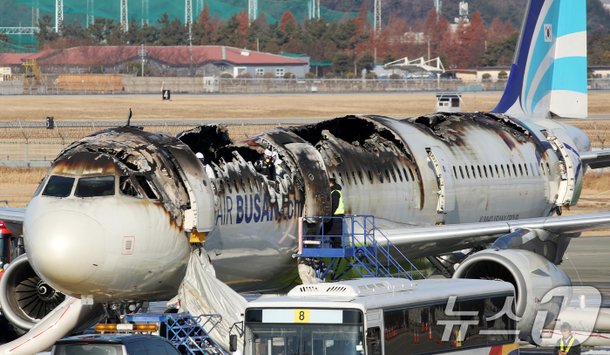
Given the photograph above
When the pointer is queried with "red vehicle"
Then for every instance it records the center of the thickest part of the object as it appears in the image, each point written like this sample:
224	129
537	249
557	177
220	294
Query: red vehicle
6	238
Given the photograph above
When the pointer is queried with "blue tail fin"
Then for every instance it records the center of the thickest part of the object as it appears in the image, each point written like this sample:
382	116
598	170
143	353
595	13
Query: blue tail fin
548	76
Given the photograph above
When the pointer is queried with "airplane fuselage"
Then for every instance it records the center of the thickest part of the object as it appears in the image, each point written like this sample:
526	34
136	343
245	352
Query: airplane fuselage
130	243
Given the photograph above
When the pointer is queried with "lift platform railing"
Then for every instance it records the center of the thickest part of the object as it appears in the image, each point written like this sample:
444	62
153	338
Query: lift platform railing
361	245
190	334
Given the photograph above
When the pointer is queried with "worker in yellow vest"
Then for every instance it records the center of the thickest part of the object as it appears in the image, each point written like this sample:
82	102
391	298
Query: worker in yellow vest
567	345
334	226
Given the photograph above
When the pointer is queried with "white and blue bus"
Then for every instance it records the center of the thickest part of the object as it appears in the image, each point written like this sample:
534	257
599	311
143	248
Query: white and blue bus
375	316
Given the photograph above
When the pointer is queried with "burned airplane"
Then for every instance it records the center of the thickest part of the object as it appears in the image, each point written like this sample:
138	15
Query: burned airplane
119	212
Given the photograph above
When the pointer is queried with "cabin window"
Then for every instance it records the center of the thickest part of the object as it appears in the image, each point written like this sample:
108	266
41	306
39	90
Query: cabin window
515	170
393	175
354	178
461	172
454	173
406	174
485	170
399	174
370	176
58	186
467	172
360	176
474	174
533	169
412	177
491	171
508	169
479	169
497	170
95	186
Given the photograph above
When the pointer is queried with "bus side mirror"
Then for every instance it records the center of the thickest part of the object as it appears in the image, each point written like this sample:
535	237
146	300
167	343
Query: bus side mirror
233	343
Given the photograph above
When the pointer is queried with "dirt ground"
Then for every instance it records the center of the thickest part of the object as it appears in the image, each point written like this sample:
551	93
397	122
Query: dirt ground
205	107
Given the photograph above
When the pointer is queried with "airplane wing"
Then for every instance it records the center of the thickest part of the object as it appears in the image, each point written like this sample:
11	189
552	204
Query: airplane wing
425	241
596	159
13	218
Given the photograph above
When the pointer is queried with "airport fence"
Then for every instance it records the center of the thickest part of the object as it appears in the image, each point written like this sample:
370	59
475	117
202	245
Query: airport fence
88	84
92	84
32	144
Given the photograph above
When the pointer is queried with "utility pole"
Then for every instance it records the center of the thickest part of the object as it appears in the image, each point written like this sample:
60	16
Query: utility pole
198	7
377	16
35	13
144	19
142	57
124	16
314	9
90	12
59	15
188	17
438	4
252	10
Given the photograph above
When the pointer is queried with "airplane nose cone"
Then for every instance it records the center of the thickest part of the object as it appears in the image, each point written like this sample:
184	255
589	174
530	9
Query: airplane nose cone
65	248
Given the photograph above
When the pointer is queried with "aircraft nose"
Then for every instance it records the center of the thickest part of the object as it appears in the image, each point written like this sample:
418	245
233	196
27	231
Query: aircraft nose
65	248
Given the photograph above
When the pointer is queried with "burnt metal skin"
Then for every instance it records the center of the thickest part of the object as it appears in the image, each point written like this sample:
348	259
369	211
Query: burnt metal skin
482	167
503	170
129	242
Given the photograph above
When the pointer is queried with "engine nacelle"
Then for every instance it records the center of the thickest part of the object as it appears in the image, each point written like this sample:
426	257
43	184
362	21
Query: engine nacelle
531	274
24	297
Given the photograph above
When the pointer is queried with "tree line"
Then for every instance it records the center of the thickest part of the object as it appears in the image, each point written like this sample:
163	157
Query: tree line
348	46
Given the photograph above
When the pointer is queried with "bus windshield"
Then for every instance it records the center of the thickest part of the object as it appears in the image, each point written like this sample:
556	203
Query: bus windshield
301	339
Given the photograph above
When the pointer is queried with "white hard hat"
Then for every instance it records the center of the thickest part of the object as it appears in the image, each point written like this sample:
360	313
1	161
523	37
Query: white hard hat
268	152
199	155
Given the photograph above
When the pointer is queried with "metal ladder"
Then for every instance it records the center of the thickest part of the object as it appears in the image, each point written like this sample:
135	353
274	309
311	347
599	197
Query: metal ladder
188	333
361	247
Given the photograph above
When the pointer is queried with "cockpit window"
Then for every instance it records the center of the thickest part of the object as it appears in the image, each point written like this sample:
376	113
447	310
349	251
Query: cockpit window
147	187
127	187
58	186
40	186
95	186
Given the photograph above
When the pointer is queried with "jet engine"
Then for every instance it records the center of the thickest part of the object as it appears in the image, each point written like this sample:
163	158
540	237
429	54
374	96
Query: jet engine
24	297
532	275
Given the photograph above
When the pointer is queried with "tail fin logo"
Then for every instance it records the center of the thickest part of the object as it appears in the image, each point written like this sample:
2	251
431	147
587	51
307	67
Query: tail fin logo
548	76
548	33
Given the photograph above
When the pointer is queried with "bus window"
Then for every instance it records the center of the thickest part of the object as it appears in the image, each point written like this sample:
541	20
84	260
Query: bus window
273	331
373	341
270	339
